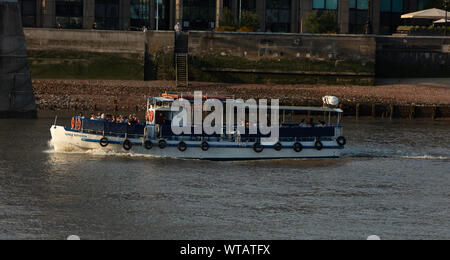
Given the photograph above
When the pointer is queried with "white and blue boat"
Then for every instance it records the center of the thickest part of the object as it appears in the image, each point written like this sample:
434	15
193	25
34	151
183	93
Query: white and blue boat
156	138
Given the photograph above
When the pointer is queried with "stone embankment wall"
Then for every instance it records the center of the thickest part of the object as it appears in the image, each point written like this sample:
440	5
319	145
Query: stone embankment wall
235	57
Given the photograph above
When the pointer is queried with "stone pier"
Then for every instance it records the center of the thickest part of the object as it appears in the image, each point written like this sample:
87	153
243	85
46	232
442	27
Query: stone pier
16	91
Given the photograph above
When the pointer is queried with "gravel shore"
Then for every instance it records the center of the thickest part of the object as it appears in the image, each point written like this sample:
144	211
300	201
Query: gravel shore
129	95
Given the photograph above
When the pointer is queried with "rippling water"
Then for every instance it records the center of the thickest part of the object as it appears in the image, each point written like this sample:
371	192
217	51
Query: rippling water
394	181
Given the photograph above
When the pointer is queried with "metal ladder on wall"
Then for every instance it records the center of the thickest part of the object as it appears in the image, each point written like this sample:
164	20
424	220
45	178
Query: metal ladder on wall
182	69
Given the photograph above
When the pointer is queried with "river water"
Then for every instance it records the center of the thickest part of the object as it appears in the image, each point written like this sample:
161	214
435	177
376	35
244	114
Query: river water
394	182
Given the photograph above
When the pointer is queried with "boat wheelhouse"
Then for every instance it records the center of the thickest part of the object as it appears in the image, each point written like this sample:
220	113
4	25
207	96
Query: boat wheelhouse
157	138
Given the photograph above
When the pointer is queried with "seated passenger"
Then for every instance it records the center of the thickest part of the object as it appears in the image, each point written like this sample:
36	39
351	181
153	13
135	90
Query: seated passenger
93	117
303	123
136	119
311	122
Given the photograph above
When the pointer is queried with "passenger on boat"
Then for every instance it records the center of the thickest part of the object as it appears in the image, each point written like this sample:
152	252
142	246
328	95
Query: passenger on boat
136	119
303	123
321	124
93	117
81	115
311	122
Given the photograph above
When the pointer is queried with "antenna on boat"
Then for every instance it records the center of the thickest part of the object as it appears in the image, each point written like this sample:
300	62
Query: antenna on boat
56	119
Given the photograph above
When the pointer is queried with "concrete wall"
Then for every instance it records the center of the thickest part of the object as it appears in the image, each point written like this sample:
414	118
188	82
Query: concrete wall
393	56
85	40
16	92
413	56
255	46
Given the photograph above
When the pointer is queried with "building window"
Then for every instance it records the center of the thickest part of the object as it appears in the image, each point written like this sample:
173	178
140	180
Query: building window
278	15
107	14
199	14
421	4
162	14
358	15
69	13
391	11
325	4
28	9
249	5
139	14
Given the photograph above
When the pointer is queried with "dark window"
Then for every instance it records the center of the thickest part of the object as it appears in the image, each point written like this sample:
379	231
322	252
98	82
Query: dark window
199	14
69	13
139	13
390	17
249	5
358	15
325	4
278	15
28	9
107	14
162	14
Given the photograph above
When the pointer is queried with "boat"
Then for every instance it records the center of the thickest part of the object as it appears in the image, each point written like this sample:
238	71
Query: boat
156	137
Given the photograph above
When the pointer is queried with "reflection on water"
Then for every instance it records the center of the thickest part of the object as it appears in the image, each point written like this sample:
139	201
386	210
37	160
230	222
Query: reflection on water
393	181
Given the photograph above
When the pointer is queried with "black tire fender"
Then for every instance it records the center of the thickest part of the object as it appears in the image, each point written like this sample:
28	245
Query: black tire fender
205	146
127	145
104	142
341	141
182	146
148	144
298	147
162	144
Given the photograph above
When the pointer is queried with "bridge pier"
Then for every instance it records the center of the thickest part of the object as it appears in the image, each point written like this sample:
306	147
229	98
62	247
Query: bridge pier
16	91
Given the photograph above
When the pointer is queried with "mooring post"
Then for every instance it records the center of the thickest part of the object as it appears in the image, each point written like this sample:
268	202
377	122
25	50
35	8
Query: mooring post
373	110
357	111
391	111
411	112
433	113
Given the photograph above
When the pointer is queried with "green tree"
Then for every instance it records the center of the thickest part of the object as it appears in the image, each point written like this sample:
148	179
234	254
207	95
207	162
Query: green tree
324	23
249	20
227	19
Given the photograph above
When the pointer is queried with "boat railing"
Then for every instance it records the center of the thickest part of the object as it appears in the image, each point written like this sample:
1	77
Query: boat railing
106	128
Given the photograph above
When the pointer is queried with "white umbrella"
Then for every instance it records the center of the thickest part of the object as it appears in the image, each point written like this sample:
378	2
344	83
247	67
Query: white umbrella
432	14
442	20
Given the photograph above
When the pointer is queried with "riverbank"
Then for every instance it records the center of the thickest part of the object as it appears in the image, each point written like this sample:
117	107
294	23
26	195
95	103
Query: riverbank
98	95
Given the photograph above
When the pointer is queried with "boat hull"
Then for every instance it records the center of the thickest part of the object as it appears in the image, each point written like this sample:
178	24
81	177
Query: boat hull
66	140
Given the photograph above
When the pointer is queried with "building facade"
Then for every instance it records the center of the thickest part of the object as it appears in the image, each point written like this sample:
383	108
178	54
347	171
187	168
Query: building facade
275	15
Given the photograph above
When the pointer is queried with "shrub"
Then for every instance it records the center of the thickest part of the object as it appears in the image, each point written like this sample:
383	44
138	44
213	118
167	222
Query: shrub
227	19
225	29
250	21
325	23
245	29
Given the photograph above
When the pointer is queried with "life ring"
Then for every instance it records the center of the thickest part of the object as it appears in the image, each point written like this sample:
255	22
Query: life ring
278	146
258	147
148	144
162	144
205	146
318	145
149	116
104	142
73	123
182	146
298	147
127	145
78	125
341	141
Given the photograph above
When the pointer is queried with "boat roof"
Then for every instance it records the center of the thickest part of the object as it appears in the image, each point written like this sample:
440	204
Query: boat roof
281	108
